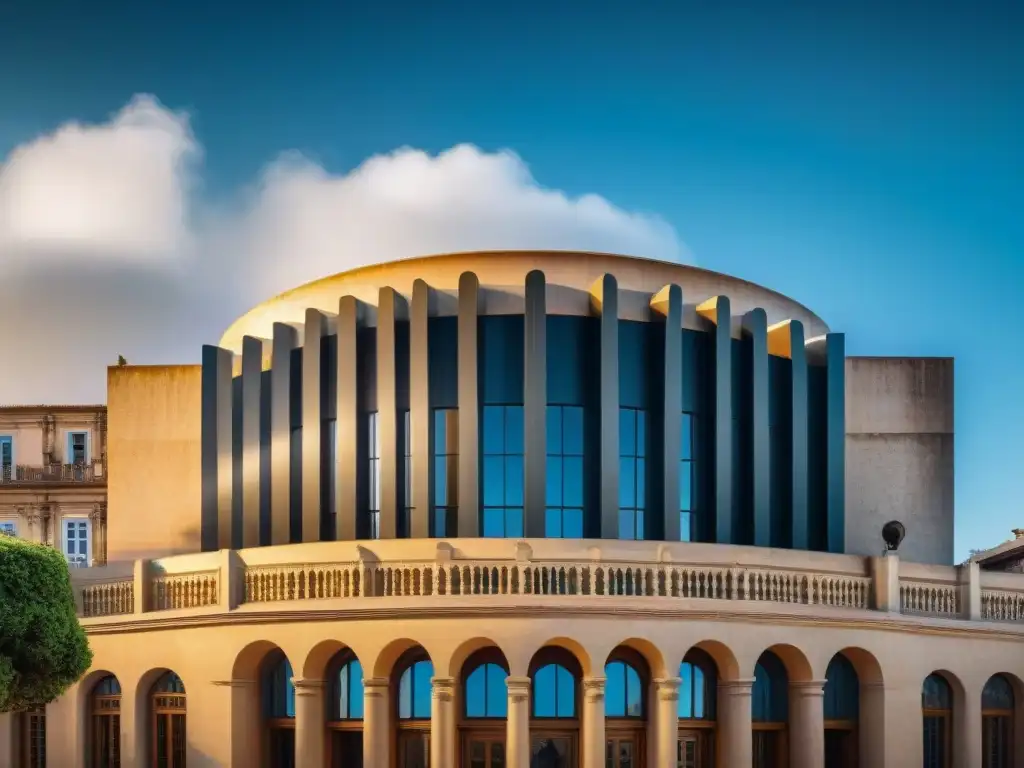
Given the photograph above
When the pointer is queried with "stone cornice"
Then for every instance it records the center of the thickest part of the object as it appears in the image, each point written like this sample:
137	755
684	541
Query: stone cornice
631	607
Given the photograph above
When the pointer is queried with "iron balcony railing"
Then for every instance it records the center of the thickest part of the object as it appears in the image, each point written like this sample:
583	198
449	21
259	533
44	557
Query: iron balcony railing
52	473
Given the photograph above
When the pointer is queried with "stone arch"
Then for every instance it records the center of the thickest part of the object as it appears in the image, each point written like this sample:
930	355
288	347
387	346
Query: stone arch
383	665
652	655
86	686
249	660
798	666
246	700
453	665
723	656
143	708
866	664
577	650
319	658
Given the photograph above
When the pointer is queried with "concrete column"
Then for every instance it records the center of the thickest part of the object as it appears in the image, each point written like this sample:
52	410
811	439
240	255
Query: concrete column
245	723
442	721
469	407
717	310
390	307
967	747
346	494
310	734
517	733
376	725
535	404
216	449
604	303
668	305
252	490
419	410
970	590
312	421
593	722
885	572
807	724
871	725
734	731
667	697
755	328
285	341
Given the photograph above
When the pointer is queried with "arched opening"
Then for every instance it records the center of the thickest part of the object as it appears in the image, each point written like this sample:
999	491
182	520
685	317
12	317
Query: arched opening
105	723
937	710
413	674
345	711
484	709
554	709
997	717
770	713
625	708
167	705
277	702
32	737
697	710
842	712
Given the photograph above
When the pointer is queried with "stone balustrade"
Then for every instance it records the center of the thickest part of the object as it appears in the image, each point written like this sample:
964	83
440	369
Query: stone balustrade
546	568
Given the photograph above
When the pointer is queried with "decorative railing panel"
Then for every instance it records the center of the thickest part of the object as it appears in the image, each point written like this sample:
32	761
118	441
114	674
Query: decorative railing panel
350	580
1000	605
930	599
112	598
185	590
52	473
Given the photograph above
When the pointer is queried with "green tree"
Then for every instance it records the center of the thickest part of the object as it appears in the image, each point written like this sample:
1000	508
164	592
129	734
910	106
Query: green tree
43	648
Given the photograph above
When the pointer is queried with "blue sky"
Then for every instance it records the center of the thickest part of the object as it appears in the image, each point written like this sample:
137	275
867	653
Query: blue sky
865	161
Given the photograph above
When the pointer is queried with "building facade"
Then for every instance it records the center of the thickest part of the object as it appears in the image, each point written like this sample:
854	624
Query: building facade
535	509
53	487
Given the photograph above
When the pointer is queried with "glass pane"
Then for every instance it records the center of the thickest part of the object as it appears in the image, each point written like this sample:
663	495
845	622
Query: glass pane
422	672
615	690
514	481
634	692
549	752
514	429
641	484
494	430
686	438
641	433
343	691
440	481
554	481
935	693
686	526
497	755
513	523
477	754
494	481
698	693
476	704
625	754
627	432
440	442
627	483
553	523
627	524
685	486
572	523
497	691
355	689
566	700
494	523
544	691
572	431
572	481
997	694
685	708
405	695
553	429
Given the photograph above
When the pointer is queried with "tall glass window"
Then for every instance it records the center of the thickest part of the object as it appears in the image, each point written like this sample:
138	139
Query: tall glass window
564	514
373	441
446	472
503	471
486	693
632	472
405	522
624	696
414	691
687	523
554	692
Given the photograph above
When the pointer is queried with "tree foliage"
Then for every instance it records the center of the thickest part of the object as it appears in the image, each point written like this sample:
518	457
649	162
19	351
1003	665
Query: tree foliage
43	648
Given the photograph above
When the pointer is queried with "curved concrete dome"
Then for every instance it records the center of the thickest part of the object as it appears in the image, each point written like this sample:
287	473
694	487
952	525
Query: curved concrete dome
502	275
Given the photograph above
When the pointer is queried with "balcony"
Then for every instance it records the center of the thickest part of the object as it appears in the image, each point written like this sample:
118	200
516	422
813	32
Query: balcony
541	575
45	474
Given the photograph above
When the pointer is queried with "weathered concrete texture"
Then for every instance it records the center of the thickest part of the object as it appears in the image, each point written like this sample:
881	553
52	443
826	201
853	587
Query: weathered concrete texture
154	486
899	455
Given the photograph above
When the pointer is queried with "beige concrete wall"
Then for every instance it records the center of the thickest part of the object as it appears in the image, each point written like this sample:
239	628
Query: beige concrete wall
899	455
154	426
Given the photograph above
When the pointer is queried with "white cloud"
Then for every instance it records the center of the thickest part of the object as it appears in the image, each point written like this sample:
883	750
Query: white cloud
105	248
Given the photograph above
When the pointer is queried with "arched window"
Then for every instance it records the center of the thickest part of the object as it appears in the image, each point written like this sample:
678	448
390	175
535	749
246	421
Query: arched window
554	708
698	688
997	716
414	672
345	711
625	708
105	708
277	696
842	710
168	708
486	693
937	710
770	712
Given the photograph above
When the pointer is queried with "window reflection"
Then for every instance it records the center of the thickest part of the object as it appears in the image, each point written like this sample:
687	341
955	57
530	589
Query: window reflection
697	688
347	694
686	479
503	471
564	494
414	691
623	696
446	472
632	472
